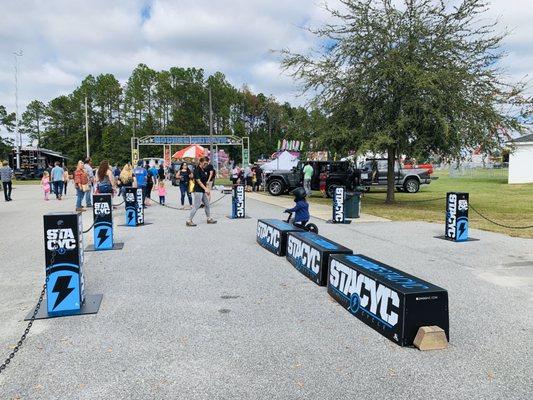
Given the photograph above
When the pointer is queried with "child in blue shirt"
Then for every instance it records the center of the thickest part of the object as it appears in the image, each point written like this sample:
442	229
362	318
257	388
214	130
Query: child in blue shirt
301	209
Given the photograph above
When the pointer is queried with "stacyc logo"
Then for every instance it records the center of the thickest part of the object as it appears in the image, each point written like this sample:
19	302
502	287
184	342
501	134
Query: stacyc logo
365	293
338	211
60	240
102	209
130	198
268	236
239	201
305	256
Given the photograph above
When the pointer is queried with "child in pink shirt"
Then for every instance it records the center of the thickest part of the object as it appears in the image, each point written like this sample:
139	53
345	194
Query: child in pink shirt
45	183
162	192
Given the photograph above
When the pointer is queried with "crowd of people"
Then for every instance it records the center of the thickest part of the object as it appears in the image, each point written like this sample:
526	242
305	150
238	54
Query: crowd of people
251	175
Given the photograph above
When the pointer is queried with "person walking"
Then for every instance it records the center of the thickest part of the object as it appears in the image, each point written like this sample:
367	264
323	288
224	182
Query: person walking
6	176
308	175
201	191
105	181
81	183
125	179
65	180
184	176
210	171
162	190
150	181
140	175
248	178
235	174
57	180
45	184
161	173
90	174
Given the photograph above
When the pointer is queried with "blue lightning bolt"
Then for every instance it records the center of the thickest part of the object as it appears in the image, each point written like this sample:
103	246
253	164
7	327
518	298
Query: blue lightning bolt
102	236
130	216
461	228
62	289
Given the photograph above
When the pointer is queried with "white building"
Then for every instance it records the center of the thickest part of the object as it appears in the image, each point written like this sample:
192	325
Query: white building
521	160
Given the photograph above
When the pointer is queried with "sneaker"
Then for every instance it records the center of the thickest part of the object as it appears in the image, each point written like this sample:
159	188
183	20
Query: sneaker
189	223
81	209
211	221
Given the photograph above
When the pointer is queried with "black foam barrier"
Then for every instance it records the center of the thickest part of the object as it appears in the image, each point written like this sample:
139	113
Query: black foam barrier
309	253
272	235
388	300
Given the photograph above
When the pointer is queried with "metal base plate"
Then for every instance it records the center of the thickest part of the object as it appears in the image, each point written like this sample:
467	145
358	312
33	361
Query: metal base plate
346	222
91	305
230	217
136	226
443	237
116	246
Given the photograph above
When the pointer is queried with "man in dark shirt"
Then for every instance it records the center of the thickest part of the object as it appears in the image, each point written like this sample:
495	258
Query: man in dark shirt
210	171
201	191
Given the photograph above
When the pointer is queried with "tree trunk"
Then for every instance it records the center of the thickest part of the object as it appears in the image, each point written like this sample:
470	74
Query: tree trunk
391	158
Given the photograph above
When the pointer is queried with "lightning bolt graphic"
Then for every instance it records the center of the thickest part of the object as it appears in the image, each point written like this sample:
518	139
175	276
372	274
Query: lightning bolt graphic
62	289
130	216
461	228
102	236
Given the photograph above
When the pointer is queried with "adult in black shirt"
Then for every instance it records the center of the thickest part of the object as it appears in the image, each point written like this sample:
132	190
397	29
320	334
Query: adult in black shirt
201	191
184	175
161	172
210	171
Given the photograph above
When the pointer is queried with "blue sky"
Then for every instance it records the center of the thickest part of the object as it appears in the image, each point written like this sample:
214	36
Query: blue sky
64	40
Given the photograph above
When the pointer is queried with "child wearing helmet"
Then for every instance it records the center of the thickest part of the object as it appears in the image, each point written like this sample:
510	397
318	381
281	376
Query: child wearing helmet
301	209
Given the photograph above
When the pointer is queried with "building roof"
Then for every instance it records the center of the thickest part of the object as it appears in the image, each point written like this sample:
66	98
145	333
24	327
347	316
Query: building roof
45	151
522	139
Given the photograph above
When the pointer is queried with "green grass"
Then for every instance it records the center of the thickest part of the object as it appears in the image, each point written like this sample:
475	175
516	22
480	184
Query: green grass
489	193
27	182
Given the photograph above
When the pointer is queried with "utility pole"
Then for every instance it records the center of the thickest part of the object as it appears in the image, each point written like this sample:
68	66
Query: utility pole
87	128
210	121
18	135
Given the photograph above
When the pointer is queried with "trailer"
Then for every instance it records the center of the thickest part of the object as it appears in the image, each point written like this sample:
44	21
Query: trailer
34	161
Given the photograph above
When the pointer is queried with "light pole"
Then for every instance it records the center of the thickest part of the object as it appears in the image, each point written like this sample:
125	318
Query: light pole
87	128
18	135
211	124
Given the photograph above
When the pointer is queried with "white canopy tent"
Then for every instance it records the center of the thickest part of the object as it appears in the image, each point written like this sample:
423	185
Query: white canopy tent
284	161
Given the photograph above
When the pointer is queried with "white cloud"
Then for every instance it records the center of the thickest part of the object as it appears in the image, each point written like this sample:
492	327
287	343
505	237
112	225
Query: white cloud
65	40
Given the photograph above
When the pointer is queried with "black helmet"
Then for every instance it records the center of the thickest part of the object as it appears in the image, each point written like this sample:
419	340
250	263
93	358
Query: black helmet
299	194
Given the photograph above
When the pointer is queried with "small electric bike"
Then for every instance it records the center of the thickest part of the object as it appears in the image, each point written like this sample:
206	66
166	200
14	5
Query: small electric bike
310	227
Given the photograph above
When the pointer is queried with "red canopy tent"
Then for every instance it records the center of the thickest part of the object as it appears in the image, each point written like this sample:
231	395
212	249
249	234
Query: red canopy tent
194	151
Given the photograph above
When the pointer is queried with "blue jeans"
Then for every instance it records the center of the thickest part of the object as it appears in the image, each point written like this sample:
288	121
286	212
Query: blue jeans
58	188
184	190
79	197
88	198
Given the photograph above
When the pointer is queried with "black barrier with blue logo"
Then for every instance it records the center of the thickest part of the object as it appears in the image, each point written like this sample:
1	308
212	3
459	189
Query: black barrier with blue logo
134	206
272	235
456	216
103	222
309	253
238	209
388	300
63	241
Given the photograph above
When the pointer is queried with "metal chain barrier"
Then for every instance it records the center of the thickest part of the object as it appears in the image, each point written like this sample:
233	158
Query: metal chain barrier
497	223
178	208
4	365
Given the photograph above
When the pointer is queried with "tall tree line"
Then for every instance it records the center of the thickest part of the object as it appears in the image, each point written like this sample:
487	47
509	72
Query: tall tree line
168	102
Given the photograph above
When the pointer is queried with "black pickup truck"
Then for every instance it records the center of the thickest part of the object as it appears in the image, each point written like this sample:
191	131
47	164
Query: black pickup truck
339	173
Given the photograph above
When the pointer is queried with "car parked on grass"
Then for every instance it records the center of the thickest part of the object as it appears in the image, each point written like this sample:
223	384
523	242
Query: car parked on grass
340	173
374	174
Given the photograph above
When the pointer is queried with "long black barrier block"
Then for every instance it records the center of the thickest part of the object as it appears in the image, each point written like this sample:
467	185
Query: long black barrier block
388	300
309	253
272	235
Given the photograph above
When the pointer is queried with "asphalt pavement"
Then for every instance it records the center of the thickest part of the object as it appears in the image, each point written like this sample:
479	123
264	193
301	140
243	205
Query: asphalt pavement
206	313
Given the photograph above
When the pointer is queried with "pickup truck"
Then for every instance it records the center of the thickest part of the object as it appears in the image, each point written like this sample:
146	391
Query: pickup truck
340	173
374	174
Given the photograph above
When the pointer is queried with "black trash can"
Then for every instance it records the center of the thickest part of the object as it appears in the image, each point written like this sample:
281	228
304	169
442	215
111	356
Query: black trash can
352	205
